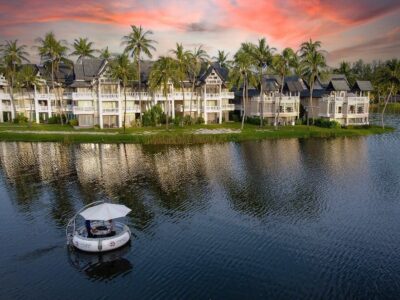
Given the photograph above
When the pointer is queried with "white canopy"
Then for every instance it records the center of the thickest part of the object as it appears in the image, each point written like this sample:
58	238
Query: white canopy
105	211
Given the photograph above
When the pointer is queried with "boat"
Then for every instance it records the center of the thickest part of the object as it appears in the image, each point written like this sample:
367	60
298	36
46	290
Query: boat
99	232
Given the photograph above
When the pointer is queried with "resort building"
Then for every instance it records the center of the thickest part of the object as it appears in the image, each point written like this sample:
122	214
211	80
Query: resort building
88	93
282	108
335	100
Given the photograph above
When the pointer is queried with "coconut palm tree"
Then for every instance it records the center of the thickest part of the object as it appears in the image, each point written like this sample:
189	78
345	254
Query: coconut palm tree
283	64
390	77
105	54
83	49
345	69
313	63
28	79
196	58
241	75
53	52
262	55
123	70
222	59
163	73
137	42
182	58
13	55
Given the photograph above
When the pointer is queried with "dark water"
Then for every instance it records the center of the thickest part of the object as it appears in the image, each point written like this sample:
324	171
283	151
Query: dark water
271	219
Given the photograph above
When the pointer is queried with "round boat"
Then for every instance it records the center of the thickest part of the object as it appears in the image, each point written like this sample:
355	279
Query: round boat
95	236
81	240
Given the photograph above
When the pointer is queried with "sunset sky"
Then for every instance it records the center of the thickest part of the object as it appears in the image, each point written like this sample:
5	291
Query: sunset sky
349	30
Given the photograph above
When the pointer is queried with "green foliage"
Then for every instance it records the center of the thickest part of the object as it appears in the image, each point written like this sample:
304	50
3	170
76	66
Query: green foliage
188	120
200	120
56	119
253	120
73	122
153	117
326	123
178	120
20	119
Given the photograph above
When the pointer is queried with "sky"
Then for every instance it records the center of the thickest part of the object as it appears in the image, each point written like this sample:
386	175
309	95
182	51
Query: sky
348	30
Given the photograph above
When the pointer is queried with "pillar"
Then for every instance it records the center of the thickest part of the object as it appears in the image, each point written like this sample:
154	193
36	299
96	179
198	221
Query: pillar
205	103
36	106
100	106
220	105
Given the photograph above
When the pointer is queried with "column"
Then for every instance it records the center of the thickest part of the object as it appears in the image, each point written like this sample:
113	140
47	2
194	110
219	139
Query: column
205	103
173	102
36	105
49	106
100	105
120	110
220	105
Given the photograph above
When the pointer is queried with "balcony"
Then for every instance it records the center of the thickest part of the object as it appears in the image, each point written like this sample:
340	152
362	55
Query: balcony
188	95
228	95
43	108
6	107
5	96
228	107
132	109
212	96
82	96
187	108
359	100
109	97
86	110
213	108
135	96
110	111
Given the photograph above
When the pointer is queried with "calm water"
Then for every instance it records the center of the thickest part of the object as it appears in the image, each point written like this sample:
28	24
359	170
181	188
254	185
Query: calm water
278	219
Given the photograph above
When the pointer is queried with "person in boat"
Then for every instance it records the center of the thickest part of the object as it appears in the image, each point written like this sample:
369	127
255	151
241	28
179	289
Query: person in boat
88	228
111	228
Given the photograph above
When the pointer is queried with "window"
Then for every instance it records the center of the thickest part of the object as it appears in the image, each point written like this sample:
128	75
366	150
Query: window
339	109
352	109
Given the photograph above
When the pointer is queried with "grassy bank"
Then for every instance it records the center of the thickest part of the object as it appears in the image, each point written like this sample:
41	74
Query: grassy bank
196	134
391	108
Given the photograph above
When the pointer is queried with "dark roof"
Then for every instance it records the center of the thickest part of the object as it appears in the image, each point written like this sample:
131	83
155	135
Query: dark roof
363	85
326	79
338	85
64	74
222	72
80	84
294	84
88	69
270	85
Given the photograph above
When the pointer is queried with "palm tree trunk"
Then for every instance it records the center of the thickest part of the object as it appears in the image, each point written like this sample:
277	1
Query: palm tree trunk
125	107
30	111
183	95
386	103
191	100
167	115
12	93
310	105
140	89
244	103
262	100
279	103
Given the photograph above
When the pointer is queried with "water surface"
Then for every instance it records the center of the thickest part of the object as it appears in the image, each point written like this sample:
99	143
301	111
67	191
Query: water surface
278	218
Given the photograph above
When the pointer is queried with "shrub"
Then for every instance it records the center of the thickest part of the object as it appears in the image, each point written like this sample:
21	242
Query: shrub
187	120
178	120
56	119
299	122
73	122
153	116
20	119
326	123
200	120
235	118
253	120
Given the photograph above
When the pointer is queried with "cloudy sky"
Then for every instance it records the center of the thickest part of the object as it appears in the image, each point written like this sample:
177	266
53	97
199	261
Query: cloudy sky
349	30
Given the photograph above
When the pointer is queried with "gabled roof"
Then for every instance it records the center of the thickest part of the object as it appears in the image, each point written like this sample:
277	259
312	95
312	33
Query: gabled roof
338	85
363	85
294	84
88	69
223	73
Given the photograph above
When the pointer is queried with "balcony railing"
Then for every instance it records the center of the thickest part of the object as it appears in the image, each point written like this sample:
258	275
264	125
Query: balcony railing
187	108
135	96
82	96
6	107
188	95
132	109
213	108
228	95
5	96
108	97
110	110
212	96
43	108
228	107
42	96
83	109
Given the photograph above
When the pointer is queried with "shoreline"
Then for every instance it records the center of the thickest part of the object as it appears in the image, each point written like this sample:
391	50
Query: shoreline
196	134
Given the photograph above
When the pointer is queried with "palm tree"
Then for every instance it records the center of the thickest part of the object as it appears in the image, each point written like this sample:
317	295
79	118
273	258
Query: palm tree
222	59
313	62
53	52
105	54
83	49
241	75
196	58
282	64
390	77
345	69
12	55
122	70
182	57
136	43
161	75
262	55
27	79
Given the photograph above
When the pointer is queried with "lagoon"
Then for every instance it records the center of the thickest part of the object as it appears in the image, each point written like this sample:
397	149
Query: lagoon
287	218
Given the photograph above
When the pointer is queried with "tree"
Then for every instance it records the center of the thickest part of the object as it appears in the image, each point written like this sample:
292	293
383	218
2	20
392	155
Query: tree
345	69
122	70
196	58
53	52
105	54
262	55
137	42
282	64
241	75
12	56
83	49
163	73
27	79
390	77
312	63
182	58
222	59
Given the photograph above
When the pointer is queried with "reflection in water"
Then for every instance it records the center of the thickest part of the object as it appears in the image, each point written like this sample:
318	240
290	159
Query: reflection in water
101	266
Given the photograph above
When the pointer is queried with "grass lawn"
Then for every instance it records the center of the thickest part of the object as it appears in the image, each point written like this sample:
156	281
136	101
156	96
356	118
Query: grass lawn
175	135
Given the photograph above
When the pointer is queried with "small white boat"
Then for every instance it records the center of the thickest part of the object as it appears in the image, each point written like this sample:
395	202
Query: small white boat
103	235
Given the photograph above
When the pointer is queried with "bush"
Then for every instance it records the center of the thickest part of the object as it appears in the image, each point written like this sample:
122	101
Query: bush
178	120
253	120
187	120
20	119
299	122
235	118
56	119
326	123
154	116
200	120
73	122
